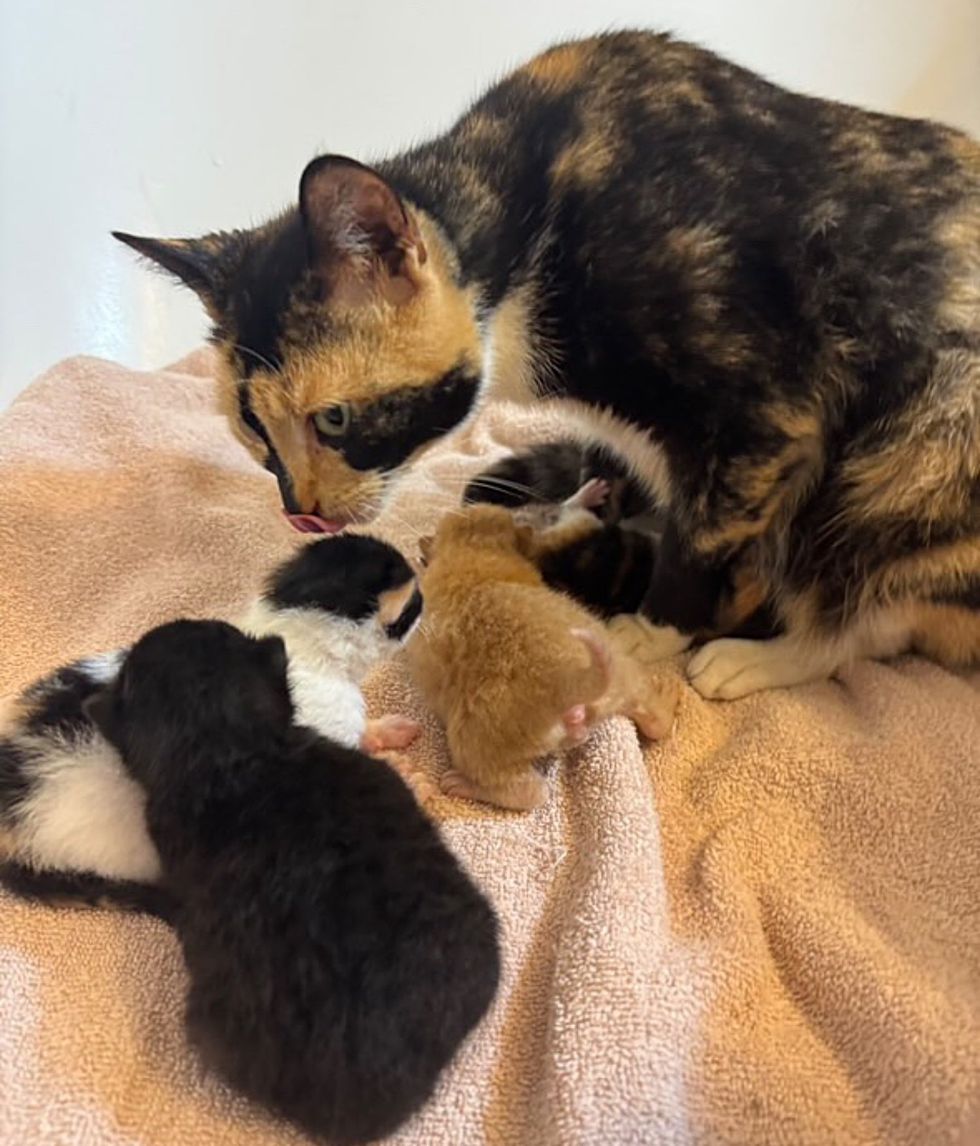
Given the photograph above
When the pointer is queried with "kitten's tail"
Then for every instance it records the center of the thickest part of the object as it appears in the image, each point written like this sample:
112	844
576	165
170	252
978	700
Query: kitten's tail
57	888
599	674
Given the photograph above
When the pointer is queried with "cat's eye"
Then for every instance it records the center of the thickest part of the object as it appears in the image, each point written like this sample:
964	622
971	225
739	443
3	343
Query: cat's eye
333	422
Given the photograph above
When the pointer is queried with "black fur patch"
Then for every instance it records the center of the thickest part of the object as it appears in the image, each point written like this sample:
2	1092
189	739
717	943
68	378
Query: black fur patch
273	463
551	472
266	277
85	889
337	952
16	778
608	571
343	575
399	628
383	434
56	704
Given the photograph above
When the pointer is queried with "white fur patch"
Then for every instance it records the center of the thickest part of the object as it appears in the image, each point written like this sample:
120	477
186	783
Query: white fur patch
103	667
328	658
86	814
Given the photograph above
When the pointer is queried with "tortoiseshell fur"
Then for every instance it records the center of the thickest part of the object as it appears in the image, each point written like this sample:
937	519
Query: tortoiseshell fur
769	303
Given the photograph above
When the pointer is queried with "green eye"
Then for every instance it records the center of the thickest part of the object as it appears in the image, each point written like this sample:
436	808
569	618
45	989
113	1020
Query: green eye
333	422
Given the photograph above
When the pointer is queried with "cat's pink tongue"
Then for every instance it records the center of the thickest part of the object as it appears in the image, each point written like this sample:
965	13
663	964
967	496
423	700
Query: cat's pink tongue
313	523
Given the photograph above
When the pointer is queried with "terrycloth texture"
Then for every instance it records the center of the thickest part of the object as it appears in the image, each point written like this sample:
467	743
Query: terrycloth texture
764	931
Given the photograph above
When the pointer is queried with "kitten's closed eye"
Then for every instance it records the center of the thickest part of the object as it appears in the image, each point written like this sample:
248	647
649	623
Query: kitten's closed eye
333	422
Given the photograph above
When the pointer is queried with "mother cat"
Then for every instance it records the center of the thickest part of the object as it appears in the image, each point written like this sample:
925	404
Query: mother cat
771	303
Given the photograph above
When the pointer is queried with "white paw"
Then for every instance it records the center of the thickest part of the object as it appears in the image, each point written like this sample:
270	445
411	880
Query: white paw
729	669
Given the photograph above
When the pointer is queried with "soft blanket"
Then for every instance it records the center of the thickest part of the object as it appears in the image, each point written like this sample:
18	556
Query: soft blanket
766	930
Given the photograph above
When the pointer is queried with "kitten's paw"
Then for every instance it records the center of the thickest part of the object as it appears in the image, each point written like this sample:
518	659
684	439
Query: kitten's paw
656	715
592	495
729	669
389	733
520	794
647	643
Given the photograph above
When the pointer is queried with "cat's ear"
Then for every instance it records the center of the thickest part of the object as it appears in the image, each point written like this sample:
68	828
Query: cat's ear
360	233
201	264
100	708
273	653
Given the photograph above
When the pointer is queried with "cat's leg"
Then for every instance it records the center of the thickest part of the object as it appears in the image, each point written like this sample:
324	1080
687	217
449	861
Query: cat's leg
727	669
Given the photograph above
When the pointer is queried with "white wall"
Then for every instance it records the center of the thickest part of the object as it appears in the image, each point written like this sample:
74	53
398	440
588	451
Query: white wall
177	116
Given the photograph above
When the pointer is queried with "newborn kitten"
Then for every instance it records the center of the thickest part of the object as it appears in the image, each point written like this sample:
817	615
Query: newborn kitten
66	805
608	568
337	952
513	669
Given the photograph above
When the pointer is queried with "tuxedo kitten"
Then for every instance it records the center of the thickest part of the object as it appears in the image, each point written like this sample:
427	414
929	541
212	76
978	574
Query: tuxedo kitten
338	954
67	806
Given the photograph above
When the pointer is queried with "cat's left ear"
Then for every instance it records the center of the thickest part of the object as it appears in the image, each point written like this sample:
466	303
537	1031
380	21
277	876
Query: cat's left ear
202	264
361	234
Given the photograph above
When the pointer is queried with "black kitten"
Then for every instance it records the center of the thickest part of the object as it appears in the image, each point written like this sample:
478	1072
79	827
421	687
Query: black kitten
338	954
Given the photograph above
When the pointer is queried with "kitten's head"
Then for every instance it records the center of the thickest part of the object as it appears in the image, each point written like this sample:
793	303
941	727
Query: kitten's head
475	530
358	580
187	685
346	342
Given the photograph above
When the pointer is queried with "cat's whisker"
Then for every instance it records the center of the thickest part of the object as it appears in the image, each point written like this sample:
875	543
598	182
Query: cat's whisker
260	358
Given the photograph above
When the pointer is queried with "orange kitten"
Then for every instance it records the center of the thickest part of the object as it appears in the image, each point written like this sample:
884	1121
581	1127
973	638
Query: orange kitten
513	669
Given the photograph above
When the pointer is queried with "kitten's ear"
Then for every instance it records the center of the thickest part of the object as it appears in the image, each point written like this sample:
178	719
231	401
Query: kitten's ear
100	708
273	651
360	233
201	264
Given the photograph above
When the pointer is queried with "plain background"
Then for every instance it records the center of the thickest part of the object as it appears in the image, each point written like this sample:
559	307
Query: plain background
175	117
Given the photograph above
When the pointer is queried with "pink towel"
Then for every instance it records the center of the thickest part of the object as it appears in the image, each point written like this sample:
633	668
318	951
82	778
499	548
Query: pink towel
766	930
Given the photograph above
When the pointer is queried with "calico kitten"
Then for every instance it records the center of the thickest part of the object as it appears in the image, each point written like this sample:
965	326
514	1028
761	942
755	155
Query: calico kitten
71	819
338	954
608	568
770	303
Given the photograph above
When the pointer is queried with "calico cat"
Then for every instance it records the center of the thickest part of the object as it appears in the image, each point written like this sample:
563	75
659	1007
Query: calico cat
769	303
338	954
71	820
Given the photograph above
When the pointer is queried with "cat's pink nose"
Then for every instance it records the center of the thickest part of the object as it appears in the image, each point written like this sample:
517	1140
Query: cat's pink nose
313	523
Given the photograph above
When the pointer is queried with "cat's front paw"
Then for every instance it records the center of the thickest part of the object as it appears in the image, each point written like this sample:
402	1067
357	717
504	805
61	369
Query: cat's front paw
729	669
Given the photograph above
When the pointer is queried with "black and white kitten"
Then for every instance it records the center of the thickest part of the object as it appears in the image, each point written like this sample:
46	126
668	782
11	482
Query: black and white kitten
71	819
338	954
